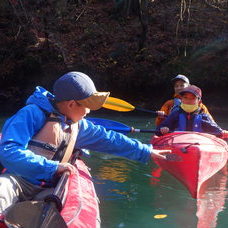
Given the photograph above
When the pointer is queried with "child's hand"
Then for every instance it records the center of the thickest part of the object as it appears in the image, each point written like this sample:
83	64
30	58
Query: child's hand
164	130
161	114
225	134
160	153
165	154
62	167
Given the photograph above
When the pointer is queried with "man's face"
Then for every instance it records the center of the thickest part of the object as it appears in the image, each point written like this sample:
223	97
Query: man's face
73	110
179	85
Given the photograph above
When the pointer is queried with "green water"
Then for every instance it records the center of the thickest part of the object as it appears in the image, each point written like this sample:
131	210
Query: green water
131	193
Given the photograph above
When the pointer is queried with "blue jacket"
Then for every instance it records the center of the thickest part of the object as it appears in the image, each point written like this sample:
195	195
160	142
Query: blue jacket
173	122
21	127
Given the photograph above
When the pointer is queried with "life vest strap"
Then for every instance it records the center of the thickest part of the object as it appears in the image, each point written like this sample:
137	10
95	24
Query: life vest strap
54	119
43	145
60	151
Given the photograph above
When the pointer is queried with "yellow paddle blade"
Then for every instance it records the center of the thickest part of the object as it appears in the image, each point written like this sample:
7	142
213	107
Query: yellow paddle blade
118	105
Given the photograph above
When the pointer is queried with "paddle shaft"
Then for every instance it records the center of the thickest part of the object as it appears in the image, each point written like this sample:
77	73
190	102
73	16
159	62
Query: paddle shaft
156	131
117	126
59	189
143	130
58	192
149	111
120	127
55	199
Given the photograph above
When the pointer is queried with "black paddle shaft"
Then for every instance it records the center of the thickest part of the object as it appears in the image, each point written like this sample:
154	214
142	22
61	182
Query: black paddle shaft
54	200
155	113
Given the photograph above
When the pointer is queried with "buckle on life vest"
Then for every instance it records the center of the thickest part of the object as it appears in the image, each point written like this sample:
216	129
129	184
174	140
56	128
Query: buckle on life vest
43	145
49	147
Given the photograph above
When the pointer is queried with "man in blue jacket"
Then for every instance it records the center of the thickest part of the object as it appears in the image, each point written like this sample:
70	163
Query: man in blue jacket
33	137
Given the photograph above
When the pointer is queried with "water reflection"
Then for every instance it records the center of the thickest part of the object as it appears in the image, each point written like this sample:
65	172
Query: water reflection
115	175
132	194
212	201
173	199
115	171
206	208
155	175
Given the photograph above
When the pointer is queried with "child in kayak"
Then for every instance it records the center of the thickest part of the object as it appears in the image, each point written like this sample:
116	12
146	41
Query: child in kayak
179	82
190	116
39	139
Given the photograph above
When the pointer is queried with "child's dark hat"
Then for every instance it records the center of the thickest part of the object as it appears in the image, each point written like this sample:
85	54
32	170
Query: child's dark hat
78	86
192	89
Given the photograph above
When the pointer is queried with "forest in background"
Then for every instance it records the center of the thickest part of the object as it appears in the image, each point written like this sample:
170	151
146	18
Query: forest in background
129	47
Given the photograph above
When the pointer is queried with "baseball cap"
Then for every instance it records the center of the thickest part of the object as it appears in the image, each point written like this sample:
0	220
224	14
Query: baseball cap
180	77
79	86
192	89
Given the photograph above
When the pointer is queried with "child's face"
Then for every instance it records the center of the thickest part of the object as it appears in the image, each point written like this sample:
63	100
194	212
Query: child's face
179	85
73	110
189	98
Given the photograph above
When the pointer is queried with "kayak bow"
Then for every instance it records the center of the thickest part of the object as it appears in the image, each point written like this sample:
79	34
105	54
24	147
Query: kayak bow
201	156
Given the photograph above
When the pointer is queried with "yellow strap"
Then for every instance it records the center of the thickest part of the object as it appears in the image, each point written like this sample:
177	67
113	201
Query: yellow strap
118	105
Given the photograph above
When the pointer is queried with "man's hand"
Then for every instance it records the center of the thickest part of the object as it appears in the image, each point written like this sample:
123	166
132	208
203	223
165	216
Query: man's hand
164	130
65	167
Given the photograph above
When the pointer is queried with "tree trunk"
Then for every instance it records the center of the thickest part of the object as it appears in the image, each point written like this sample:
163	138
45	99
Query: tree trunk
143	17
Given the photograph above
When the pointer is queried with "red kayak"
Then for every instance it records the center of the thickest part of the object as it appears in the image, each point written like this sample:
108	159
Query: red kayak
80	207
198	156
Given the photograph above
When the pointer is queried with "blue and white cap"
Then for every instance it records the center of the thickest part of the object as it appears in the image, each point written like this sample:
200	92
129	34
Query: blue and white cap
78	86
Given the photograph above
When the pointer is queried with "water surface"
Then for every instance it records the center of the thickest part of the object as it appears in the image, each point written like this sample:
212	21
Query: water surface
132	194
